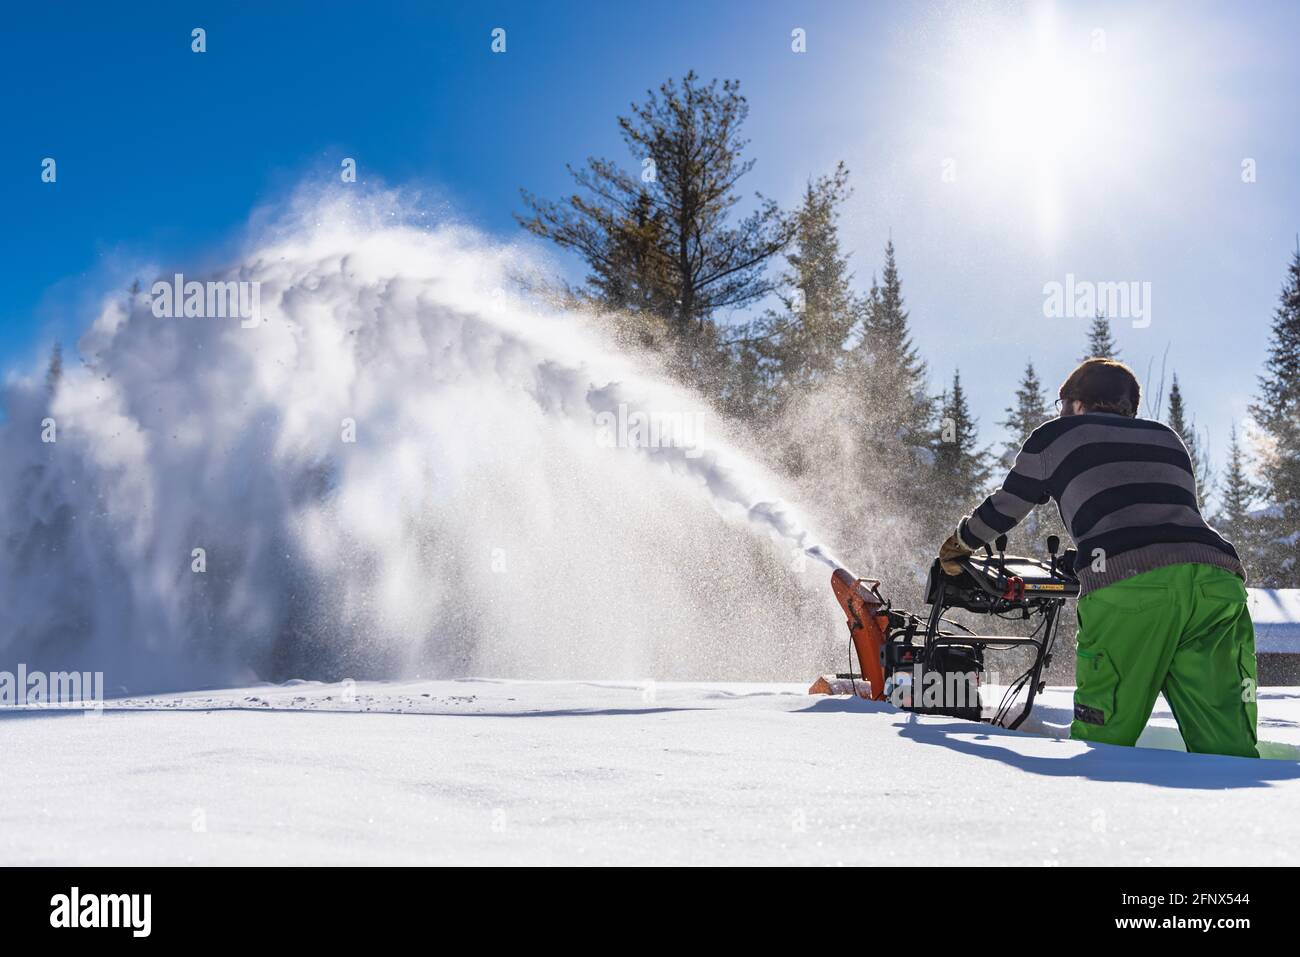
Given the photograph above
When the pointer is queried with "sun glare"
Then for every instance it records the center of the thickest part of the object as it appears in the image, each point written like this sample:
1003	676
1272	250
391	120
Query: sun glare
1035	107
1037	110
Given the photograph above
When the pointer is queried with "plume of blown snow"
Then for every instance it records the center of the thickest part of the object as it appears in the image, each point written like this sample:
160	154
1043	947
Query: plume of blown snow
405	468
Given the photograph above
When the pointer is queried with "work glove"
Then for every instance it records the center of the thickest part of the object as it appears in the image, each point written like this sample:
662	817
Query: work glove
951	550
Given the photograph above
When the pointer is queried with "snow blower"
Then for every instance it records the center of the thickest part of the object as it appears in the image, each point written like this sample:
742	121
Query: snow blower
916	664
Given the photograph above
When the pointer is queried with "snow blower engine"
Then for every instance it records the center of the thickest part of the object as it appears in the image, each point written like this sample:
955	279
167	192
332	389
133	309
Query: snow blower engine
919	665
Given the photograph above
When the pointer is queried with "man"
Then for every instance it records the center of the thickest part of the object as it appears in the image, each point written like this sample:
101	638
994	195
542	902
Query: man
1162	604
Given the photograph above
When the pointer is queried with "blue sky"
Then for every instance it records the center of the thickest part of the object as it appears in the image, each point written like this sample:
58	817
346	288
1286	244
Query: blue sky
1001	145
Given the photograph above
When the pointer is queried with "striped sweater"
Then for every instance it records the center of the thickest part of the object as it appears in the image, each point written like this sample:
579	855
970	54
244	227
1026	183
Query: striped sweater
1126	492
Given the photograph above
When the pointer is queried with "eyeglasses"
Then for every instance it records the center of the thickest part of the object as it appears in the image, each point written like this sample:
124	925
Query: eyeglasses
1058	406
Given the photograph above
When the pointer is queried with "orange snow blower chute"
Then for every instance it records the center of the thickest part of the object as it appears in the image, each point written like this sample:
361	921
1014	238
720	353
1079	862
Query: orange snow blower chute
868	625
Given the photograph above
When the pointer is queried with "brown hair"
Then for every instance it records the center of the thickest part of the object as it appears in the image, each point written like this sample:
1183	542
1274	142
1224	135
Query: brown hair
1103	385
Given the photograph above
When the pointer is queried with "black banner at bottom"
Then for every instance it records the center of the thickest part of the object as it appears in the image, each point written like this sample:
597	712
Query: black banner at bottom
335	906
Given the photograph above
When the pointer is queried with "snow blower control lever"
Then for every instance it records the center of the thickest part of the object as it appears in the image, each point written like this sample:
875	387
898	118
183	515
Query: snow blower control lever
932	664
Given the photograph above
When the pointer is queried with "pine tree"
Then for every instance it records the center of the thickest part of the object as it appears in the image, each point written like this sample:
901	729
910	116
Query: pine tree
1235	520
961	467
634	278
1101	344
1031	410
886	379
1177	420
802	347
1276	410
820	307
782	362
751	388
665	241
891	371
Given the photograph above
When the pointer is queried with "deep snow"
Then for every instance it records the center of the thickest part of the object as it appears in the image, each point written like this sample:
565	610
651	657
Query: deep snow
504	772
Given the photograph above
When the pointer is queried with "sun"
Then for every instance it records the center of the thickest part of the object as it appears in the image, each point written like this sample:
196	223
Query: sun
1038	111
1034	106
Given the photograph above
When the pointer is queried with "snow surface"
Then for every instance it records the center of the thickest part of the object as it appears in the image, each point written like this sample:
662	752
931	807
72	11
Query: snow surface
1276	616
505	772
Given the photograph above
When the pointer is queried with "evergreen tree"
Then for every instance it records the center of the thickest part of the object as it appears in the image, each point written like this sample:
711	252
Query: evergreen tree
890	371
1031	409
803	345
1235	519
820	307
750	387
788	354
961	468
1276	410
665	241
1101	344
1177	419
634	277
886	380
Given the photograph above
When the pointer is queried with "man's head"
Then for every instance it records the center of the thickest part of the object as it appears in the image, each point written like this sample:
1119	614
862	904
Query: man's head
1100	385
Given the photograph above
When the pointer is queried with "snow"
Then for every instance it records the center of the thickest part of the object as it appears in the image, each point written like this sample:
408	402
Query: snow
1276	615
505	772
485	421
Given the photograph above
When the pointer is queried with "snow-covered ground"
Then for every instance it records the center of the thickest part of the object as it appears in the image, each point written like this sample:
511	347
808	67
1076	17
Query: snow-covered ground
504	772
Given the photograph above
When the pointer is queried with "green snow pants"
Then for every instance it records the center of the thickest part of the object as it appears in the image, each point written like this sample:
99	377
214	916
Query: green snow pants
1183	630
